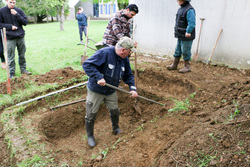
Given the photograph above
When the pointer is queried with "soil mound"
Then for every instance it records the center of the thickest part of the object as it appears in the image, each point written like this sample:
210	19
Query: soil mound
205	120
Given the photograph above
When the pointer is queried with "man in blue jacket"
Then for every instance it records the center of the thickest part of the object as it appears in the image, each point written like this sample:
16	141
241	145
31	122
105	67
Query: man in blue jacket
13	19
185	32
82	22
107	65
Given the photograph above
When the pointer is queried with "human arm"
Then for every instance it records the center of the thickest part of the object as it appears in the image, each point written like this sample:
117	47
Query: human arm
21	17
101	82
120	27
128	78
79	17
191	22
2	22
134	94
90	66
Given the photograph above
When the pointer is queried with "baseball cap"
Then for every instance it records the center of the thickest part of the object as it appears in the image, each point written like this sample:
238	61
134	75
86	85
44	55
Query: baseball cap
127	43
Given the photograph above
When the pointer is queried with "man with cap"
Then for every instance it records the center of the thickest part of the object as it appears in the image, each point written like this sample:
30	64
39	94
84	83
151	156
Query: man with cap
119	25
107	65
185	33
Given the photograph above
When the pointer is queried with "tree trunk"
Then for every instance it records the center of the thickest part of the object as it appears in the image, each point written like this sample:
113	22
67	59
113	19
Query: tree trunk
61	18
35	19
47	16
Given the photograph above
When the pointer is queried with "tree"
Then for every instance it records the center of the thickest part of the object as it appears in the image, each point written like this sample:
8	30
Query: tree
40	9
2	4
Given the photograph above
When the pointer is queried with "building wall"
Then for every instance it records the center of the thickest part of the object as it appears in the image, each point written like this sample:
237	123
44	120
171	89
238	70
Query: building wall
107	10
87	7
154	29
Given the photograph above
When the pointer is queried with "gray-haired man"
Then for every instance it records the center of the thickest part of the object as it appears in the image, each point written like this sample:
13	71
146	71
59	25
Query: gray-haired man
107	65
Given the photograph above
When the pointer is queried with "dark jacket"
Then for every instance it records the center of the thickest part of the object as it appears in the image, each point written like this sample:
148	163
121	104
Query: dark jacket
105	63
7	20
181	23
82	19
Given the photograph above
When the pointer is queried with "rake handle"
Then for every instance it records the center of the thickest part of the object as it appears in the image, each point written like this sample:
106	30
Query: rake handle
116	88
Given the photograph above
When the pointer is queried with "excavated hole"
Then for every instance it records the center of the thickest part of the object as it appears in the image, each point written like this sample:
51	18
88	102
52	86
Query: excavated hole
64	121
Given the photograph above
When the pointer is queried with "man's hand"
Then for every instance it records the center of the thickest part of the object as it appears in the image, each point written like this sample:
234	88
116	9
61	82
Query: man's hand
135	44
14	27
101	82
187	35
13	11
133	94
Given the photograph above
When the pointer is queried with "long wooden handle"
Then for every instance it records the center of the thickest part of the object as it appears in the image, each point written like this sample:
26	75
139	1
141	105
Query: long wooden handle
4	39
116	88
67	104
86	39
196	53
215	45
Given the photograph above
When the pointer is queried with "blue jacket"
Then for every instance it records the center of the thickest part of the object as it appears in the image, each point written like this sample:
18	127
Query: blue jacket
105	63
7	20
82	19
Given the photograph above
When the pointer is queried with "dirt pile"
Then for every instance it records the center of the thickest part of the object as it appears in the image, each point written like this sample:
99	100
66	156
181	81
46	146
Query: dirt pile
205	121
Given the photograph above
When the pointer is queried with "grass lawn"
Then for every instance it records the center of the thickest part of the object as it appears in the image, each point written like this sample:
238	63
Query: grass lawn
48	48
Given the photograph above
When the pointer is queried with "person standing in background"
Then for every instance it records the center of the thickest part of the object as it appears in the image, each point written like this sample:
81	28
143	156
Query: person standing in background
119	25
185	33
13	19
82	22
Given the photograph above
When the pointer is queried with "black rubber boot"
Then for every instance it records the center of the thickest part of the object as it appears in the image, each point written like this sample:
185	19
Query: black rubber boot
186	68
90	132
174	65
114	115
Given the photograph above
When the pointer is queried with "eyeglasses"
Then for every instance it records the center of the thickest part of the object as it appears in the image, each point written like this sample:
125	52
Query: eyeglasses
130	51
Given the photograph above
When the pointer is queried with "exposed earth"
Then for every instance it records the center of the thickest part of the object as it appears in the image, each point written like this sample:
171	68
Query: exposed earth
205	121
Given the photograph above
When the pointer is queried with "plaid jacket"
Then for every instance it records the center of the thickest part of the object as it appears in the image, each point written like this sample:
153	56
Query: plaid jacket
118	27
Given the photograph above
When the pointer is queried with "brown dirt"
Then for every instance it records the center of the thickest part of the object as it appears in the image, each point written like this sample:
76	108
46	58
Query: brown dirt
203	135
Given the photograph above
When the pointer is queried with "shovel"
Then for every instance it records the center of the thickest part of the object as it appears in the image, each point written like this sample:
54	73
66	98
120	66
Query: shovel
141	97
4	40
136	106
210	57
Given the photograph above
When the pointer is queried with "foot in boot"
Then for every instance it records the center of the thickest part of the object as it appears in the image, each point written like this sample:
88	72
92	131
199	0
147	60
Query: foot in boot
186	68
117	131
174	65
91	141
171	67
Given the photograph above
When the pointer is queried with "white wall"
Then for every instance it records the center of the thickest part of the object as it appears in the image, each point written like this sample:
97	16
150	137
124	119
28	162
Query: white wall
87	7
155	22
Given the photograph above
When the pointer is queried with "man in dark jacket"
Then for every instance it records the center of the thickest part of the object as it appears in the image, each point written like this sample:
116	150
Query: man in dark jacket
185	32
13	19
107	65
82	22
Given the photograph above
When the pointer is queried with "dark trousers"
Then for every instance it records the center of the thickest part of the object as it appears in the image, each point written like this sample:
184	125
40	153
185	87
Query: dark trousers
12	44
82	29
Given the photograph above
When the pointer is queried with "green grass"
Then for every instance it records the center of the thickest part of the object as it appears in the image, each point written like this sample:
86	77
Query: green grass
48	48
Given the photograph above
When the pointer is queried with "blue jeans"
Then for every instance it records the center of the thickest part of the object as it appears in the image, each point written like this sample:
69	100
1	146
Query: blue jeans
82	29
183	48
